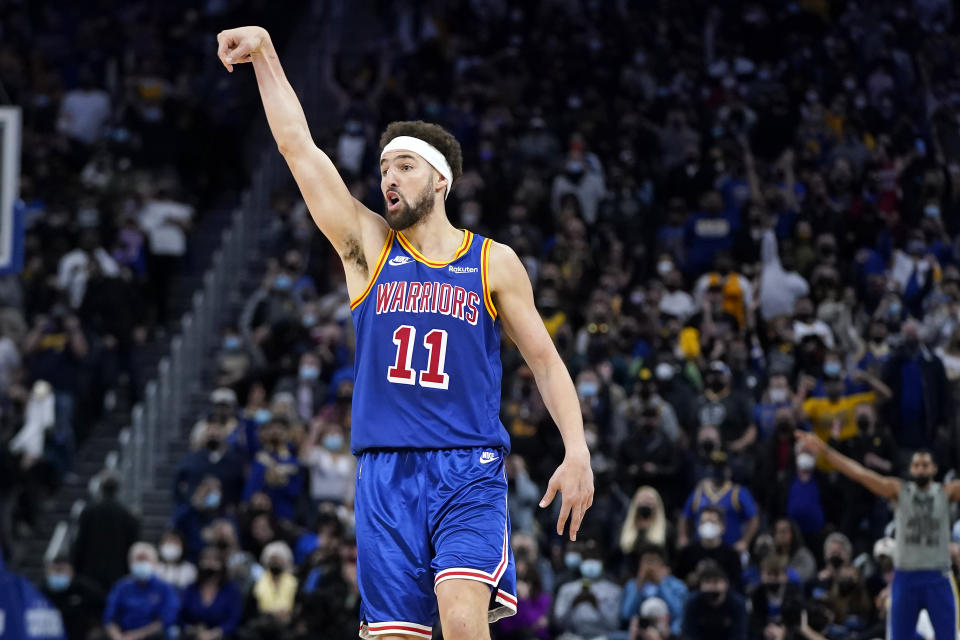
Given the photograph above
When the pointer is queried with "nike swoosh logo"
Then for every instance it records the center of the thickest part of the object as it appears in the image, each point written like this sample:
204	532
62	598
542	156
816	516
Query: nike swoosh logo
482	461
399	260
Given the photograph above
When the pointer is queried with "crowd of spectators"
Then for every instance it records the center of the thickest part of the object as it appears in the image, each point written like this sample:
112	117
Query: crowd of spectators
125	121
739	222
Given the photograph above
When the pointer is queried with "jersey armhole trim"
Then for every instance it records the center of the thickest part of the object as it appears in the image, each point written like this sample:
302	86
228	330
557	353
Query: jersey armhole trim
388	243
484	274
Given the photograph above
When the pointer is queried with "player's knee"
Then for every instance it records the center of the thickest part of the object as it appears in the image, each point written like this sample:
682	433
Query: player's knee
463	624
463	610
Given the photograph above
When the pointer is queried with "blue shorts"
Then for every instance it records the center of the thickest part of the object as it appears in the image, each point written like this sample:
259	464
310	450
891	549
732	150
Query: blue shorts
423	517
912	591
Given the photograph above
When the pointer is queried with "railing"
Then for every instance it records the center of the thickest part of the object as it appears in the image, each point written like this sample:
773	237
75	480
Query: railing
155	422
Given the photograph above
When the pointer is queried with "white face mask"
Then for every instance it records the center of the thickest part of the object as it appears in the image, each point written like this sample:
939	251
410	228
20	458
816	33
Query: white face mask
709	531
805	461
778	395
664	267
170	552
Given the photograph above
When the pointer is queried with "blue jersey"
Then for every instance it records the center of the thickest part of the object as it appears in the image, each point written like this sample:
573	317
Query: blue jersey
427	368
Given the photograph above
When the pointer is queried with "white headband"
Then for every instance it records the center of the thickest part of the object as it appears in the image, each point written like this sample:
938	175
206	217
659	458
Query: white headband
426	151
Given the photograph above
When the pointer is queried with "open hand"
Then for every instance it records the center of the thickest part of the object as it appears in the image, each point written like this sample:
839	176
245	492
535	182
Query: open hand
574	480
236	46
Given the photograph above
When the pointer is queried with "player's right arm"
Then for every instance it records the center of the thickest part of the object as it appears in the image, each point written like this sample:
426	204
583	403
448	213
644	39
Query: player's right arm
883	486
354	230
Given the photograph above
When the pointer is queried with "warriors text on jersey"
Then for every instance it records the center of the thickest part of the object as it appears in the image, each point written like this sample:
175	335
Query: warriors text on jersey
427	370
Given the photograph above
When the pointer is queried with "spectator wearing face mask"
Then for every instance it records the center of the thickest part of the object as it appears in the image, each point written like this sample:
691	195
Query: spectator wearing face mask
171	566
654	580
806	325
211	606
326	456
653	623
774	595
849	601
915	270
715	611
222	411
308	388
141	605
190	520
778	395
647	396
233	358
648	456
731	411
646	524
590	606
275	470
801	496
874	353
585	185
837	554
734	502
79	600
709	546
216	459
275	591
920	408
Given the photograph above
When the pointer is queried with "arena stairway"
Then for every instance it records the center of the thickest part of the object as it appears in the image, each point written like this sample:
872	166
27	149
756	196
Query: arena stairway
92	454
320	34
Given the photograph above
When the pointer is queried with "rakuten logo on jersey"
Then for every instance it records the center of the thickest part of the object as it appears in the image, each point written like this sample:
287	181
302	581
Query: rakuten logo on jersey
464	269
428	297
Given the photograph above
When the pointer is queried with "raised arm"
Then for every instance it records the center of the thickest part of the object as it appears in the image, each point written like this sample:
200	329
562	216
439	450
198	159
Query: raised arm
513	300
354	230
883	486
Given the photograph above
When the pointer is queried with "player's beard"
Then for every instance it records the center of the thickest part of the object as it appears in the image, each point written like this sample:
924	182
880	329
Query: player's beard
407	216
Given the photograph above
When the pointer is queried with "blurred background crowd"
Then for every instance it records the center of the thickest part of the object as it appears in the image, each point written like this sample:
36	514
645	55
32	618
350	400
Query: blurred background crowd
739	222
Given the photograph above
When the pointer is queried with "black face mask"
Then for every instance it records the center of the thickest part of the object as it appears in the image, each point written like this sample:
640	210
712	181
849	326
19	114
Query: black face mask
921	480
206	573
863	423
717	385
714	598
773	589
835	561
644	511
213	444
276	569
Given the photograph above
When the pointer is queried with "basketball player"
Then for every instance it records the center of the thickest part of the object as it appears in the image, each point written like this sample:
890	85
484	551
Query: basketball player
428	301
922	578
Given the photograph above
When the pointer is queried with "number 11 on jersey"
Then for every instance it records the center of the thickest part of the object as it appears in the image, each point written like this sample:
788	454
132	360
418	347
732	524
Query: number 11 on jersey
433	376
